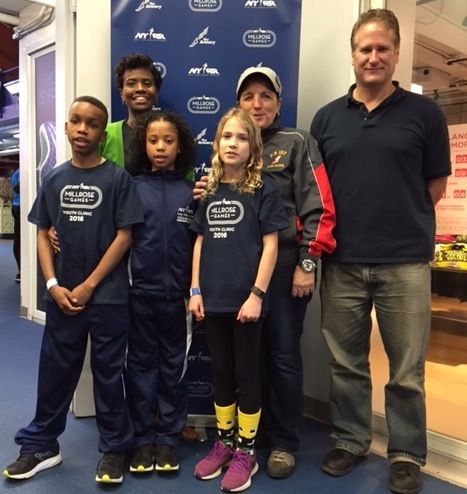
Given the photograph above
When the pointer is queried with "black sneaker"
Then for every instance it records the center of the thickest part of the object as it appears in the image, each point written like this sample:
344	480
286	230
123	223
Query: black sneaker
142	459
28	464
111	468
18	277
405	478
166	458
340	462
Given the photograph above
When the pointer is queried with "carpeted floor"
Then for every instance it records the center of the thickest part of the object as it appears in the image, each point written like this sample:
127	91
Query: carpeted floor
19	347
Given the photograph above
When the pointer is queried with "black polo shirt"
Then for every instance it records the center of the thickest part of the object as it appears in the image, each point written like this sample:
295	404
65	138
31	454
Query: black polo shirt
378	164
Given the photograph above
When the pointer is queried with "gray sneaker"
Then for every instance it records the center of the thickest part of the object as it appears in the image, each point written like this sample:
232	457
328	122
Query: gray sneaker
281	464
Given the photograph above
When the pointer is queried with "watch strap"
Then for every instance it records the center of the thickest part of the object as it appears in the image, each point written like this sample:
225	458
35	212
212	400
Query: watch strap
257	291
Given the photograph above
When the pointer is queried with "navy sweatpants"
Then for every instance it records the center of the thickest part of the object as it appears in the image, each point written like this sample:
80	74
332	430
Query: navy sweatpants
62	354
156	364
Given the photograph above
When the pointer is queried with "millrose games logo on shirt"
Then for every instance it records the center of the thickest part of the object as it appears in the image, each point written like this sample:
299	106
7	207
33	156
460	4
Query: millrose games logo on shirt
161	68
80	196
204	71
205	5
225	212
200	138
150	35
259	38
203	105
202	39
260	4
148	4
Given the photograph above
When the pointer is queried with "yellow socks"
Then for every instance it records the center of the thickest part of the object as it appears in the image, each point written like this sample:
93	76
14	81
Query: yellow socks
225	417
247	428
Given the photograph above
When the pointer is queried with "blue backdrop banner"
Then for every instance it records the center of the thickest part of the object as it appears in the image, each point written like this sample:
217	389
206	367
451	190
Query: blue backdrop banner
201	47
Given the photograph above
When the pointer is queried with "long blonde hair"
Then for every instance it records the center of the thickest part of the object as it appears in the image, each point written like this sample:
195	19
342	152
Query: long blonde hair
251	179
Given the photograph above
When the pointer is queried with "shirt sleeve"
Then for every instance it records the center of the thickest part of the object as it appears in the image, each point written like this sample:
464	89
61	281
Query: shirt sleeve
316	216
39	214
129	210
199	218
436	150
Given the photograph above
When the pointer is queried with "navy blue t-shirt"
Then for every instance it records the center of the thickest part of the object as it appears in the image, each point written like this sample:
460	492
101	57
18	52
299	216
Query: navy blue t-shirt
87	207
232	226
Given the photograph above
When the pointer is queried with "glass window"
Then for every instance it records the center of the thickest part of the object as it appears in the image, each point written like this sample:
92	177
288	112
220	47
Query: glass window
440	69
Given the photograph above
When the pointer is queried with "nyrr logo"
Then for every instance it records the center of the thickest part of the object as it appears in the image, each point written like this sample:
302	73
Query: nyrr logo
150	35
199	139
80	196
225	212
205	5
259	38
201	170
260	4
204	70
201	39
203	105
148	4
161	68
185	215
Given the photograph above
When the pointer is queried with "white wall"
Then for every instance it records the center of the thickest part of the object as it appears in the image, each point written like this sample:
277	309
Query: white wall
325	74
93	70
405	12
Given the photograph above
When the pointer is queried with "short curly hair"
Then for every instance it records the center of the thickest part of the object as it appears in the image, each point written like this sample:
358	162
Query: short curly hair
94	102
137	61
138	157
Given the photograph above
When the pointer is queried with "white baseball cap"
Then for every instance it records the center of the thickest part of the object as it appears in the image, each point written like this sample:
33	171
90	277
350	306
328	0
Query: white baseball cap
266	71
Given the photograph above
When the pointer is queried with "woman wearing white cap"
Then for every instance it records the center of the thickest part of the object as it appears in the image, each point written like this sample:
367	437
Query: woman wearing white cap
293	160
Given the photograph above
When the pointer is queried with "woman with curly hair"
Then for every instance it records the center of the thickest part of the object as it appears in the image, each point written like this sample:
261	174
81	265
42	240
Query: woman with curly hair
139	83
237	221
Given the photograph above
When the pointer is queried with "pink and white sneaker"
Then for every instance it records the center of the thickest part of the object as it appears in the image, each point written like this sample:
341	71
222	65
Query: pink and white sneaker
211	466
238	476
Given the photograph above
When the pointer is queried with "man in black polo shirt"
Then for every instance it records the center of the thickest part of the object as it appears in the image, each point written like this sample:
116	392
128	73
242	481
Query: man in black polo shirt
386	152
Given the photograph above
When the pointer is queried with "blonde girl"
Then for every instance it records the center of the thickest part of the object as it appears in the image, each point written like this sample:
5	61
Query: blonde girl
234	256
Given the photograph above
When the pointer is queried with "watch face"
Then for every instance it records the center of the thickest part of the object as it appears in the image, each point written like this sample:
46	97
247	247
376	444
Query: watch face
308	265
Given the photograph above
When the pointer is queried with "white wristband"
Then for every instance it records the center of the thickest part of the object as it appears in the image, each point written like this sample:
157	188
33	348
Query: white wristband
50	283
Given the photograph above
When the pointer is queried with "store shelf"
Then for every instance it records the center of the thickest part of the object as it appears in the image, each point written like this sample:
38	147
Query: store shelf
6	220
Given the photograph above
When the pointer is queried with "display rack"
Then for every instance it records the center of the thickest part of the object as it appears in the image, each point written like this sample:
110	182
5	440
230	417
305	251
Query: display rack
6	219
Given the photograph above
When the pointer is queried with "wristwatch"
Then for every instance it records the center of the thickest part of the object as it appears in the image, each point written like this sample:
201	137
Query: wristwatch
308	266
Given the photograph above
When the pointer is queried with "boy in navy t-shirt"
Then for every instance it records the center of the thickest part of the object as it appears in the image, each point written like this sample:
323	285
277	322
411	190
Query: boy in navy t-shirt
92	204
